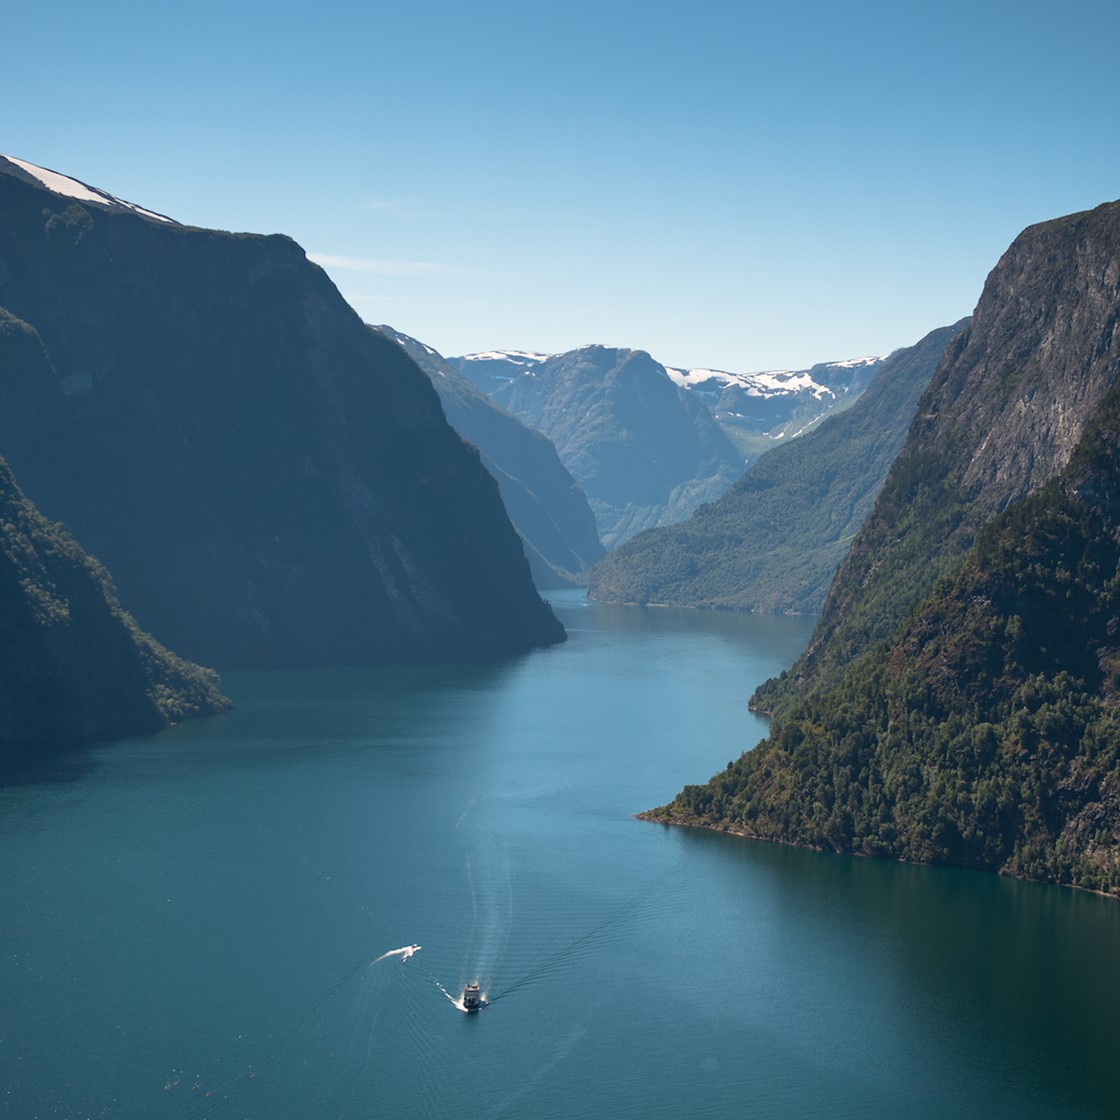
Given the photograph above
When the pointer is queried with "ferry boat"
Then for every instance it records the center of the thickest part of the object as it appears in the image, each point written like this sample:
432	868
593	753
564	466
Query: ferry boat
472	998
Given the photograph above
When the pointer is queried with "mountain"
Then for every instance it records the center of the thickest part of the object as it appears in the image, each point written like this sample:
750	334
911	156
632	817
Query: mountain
757	410
76	666
645	451
773	541
493	370
959	700
1001	417
269	482
545	503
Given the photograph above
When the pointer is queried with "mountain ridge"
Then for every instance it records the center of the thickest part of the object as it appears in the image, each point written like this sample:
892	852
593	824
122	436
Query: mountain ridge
269	482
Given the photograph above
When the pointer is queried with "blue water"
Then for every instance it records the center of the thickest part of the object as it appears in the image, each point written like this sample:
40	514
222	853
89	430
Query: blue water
191	922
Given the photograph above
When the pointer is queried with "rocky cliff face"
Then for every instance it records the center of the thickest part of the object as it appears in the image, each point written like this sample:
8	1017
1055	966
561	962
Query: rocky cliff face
548	508
269	482
773	540
959	703
75	665
645	451
1002	415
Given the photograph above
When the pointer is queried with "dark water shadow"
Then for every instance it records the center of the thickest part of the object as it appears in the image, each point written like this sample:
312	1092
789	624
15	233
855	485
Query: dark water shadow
1008	979
31	764
304	707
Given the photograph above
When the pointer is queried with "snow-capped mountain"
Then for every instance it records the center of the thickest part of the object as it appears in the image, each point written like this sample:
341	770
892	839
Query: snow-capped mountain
644	450
493	370
73	188
756	410
768	383
513	357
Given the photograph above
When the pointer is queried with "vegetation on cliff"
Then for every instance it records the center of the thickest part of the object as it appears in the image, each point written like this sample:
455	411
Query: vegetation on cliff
1001	417
76	666
959	702
985	734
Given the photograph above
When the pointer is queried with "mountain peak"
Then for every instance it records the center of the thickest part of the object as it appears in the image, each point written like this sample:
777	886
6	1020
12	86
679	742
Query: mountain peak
73	188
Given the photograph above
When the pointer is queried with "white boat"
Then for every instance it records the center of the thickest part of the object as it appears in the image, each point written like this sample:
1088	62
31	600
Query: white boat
472	998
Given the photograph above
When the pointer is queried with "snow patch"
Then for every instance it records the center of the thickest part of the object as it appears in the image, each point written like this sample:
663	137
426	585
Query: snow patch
768	383
765	383
518	357
854	363
81	192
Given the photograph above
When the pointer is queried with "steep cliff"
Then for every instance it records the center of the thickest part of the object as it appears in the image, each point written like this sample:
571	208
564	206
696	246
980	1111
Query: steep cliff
76	666
773	540
268	481
959	700
1002	415
548	508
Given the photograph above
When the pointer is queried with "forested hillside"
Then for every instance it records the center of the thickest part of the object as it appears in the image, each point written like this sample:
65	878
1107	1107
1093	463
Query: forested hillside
75	665
958	703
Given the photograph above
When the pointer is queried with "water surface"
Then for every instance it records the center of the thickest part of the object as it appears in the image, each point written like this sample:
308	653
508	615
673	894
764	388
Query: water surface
192	921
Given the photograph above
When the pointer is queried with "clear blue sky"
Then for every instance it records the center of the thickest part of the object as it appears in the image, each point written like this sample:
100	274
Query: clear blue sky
743	186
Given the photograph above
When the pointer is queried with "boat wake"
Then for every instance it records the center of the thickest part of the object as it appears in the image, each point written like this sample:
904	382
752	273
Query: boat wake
404	953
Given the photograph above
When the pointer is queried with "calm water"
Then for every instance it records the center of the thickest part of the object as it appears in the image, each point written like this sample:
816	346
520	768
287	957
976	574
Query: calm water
189	920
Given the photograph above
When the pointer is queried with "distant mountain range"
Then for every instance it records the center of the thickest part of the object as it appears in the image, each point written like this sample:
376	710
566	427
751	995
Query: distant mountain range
756	410
645	451
774	539
493	370
548	508
646	456
760	410
959	700
269	482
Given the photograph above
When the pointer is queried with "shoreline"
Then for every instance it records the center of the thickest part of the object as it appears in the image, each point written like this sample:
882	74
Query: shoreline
681	822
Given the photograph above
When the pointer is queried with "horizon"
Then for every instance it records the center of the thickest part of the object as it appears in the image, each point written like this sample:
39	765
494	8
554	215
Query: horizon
738	189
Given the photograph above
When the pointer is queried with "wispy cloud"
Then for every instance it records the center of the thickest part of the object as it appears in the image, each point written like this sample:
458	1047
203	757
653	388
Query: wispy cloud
381	267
